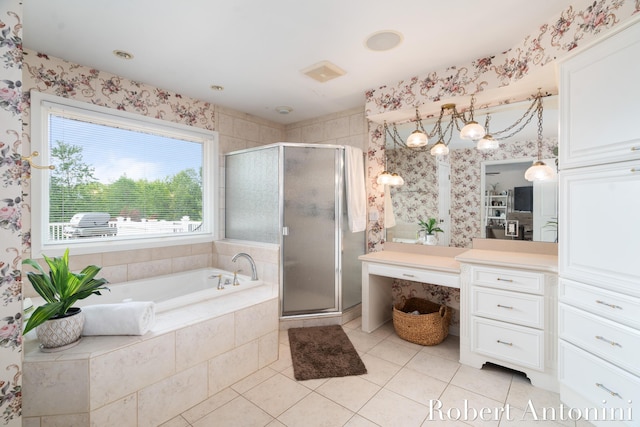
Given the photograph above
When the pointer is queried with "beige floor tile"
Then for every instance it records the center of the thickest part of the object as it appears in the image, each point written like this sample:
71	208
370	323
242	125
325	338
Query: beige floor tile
463	405
488	381
209	405
253	380
392	352
353	324
277	394
284	359
449	348
351	392
520	418
389	409
359	421
363	341
315	411
176	422
416	386
434	366
235	413
523	395
379	371
275	423
310	384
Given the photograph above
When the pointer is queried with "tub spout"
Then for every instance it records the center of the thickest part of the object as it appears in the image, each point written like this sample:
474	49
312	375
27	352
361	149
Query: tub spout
254	271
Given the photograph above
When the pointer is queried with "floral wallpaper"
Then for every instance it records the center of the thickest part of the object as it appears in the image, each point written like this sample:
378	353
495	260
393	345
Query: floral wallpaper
574	26
578	24
11	206
62	78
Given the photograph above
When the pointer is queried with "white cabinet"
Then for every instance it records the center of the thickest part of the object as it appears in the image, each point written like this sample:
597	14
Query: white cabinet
508	317
599	224
599	107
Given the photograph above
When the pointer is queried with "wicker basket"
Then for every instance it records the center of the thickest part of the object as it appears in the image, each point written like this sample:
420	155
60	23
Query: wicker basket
430	327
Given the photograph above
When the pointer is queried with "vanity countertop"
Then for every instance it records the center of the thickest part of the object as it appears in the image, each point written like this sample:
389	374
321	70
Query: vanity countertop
528	260
444	263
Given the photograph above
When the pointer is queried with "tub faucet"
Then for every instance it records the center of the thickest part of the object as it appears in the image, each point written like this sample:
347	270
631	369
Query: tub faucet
254	271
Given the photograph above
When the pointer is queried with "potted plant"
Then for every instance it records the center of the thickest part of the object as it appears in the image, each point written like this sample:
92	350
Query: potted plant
429	228
57	322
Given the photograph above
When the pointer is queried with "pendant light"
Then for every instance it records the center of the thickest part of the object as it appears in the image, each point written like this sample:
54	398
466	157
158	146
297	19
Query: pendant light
386	177
472	130
539	171
417	138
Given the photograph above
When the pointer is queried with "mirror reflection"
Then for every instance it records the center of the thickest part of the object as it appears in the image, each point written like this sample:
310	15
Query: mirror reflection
458	189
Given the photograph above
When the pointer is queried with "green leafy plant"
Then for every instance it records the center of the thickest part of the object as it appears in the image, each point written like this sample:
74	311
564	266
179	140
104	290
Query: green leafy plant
60	288
430	226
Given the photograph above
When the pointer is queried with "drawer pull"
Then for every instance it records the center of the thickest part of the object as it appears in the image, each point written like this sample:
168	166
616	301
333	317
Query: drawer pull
636	148
505	343
408	275
598	337
634	170
505	280
612	393
608	305
504	306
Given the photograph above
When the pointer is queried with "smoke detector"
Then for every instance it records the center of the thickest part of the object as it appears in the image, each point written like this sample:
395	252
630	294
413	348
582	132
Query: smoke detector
324	71
284	109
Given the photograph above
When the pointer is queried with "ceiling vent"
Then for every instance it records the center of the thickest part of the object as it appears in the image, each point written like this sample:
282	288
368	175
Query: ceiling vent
324	71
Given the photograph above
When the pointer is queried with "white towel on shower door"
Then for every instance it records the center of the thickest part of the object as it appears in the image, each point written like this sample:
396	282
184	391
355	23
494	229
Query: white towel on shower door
356	192
128	318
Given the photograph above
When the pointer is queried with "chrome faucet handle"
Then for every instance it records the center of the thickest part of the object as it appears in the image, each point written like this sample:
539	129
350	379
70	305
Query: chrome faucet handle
220	285
235	278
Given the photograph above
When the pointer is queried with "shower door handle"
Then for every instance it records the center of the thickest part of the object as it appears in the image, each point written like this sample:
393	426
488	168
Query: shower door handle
285	231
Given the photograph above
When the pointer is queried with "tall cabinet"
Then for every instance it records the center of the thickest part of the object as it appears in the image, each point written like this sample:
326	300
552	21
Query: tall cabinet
599	229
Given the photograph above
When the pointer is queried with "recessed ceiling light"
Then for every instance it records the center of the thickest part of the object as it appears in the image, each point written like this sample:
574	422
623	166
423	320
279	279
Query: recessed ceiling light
383	40
284	109
217	88
122	54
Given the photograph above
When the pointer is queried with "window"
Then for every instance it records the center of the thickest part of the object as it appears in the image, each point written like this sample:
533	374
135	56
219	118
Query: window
120	180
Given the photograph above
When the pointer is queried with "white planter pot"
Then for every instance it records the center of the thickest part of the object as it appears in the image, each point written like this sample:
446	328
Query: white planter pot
61	333
431	239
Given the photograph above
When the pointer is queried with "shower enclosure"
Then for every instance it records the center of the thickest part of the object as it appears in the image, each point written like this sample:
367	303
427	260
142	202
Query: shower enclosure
293	195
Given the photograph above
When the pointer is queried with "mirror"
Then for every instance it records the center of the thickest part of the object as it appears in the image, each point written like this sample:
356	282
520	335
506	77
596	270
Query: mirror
474	178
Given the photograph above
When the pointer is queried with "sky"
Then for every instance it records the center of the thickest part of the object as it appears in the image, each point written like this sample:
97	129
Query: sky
116	152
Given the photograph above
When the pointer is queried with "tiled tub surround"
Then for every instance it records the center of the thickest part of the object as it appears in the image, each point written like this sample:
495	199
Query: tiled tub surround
191	353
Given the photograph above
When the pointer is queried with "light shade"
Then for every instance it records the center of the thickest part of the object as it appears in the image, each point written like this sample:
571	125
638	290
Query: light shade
439	149
487	143
539	171
384	178
473	131
417	139
396	180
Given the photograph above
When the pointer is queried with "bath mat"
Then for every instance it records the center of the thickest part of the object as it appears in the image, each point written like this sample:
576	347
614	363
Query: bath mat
323	352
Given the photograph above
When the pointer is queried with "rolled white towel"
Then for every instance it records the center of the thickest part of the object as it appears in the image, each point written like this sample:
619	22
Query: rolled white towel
130	318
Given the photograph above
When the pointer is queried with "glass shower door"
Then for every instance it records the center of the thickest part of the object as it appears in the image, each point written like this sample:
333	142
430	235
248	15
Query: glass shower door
310	230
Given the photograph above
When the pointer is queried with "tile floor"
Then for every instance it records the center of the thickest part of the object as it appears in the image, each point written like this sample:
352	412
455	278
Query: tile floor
402	379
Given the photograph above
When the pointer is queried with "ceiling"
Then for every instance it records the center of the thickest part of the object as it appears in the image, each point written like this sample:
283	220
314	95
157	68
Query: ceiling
257	49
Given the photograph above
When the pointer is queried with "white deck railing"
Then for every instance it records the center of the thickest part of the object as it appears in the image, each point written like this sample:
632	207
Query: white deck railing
127	227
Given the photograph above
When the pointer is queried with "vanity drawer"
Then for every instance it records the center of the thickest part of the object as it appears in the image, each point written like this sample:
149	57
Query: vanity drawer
612	341
504	278
598	381
515	344
612	305
523	309
415	274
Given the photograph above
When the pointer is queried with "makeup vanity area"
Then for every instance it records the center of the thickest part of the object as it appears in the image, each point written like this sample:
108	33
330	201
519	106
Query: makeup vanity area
508	293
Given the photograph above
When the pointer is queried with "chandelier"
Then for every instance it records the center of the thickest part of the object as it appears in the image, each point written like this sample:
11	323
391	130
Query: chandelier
451	119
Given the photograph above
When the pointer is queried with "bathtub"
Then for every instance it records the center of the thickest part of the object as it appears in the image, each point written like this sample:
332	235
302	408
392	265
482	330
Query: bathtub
174	290
203	341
